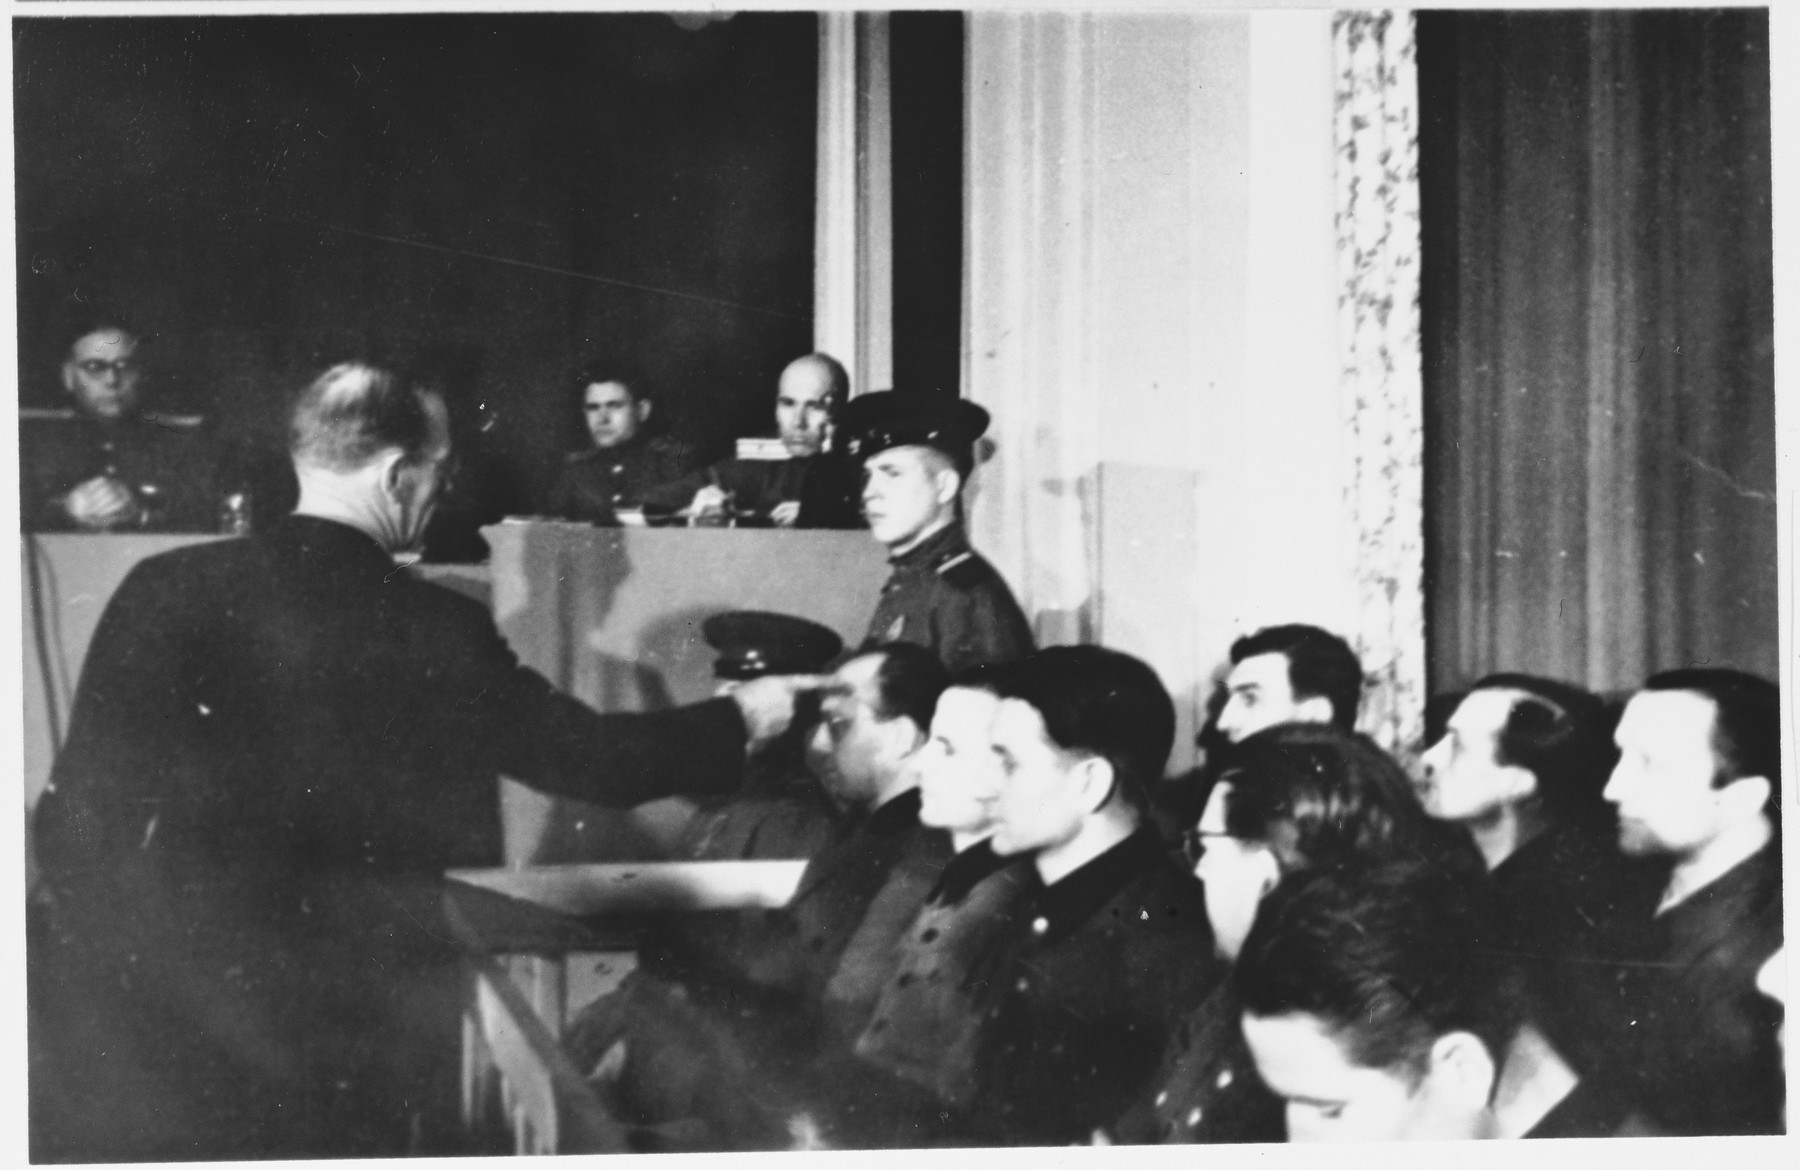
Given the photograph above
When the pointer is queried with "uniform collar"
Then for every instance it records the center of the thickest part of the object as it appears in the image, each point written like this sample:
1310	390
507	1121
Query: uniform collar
947	543
965	871
1063	907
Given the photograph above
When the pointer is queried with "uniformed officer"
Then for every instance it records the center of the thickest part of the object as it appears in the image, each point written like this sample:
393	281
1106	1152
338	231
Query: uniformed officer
625	461
916	452
814	486
113	465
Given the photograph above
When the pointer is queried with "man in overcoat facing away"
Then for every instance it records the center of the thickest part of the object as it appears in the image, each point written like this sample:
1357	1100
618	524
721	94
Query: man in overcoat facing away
278	745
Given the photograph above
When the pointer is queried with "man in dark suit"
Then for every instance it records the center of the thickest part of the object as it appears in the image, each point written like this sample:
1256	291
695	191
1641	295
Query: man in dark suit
1113	945
277	746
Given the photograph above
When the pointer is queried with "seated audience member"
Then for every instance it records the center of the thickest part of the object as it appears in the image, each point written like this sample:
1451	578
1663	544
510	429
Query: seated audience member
117	465
1698	782
781	811
1111	946
277	747
1374	1004
712	1024
916	453
1297	797
1521	765
625	462
1279	674
814	487
906	1065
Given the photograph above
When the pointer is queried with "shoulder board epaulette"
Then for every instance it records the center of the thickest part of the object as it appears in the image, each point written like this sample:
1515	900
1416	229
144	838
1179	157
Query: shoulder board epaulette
964	569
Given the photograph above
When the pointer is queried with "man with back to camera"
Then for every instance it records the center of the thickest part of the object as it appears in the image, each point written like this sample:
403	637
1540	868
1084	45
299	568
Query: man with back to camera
814	487
916	453
625	461
1521	766
115	466
1112	946
277	746
1698	783
1373	1006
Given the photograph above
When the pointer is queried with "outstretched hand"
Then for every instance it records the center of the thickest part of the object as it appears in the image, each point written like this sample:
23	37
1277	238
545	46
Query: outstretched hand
768	703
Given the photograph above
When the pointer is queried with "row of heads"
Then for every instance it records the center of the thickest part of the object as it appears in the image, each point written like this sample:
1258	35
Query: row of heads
813	412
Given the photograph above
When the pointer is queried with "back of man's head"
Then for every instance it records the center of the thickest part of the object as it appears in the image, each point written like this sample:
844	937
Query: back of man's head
1319	664
1317	795
354	411
1562	735
1102	703
1746	736
1388	958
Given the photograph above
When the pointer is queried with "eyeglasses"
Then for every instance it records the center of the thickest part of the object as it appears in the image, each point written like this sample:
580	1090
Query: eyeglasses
95	367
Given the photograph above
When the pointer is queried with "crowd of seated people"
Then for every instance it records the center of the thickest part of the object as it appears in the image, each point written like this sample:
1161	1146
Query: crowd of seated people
1011	930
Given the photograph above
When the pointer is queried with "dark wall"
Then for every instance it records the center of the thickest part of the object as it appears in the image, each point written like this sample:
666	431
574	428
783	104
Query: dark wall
487	198
927	55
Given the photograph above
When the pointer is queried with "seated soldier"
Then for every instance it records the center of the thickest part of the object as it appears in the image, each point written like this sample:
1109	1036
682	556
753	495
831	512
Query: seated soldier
813	487
1520	765
1372	1004
625	460
712	1023
1111	946
1297	797
115	466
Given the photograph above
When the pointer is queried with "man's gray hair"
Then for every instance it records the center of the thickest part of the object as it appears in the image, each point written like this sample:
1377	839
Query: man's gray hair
354	411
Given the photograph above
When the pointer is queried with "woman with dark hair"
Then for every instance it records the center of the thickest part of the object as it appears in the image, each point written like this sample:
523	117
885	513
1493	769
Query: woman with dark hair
1297	798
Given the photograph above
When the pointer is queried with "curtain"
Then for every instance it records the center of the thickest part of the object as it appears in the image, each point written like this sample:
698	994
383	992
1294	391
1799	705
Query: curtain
1377	186
1598	341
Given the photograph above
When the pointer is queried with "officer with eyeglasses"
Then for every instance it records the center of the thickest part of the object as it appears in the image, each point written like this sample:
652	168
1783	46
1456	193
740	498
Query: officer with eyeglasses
112	463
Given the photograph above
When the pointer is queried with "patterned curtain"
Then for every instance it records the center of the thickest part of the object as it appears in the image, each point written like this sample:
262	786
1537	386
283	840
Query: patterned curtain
1377	178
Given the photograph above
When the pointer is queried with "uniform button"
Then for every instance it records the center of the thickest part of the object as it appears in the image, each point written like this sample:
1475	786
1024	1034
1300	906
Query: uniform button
1162	1098
1193	1117
1022	985
1224	1080
930	935
1039	925
906	979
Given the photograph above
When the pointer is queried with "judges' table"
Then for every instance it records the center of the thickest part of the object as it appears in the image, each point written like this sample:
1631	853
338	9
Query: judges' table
612	615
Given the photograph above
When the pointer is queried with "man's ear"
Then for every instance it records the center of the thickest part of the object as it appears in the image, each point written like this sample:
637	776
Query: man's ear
391	465
1463	1069
1313	709
643	406
1745	797
1097	781
949	482
68	376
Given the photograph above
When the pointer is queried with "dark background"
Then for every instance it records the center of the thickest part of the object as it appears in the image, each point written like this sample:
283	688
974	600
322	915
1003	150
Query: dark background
488	200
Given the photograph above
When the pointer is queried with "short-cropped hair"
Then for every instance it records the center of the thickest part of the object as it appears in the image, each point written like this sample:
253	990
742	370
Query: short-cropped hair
1318	795
354	411
1387	957
1320	664
1100	702
1562	735
596	373
1746	735
908	682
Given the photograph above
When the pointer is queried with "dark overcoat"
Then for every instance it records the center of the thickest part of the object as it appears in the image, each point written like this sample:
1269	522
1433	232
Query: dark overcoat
278	745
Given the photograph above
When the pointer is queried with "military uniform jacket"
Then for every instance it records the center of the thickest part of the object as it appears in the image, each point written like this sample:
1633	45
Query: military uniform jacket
944	596
277	746
1706	1061
1208	1089
826	486
172	470
596	483
1104	965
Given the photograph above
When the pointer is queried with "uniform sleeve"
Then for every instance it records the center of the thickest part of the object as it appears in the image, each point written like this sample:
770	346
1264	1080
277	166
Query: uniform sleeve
983	626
